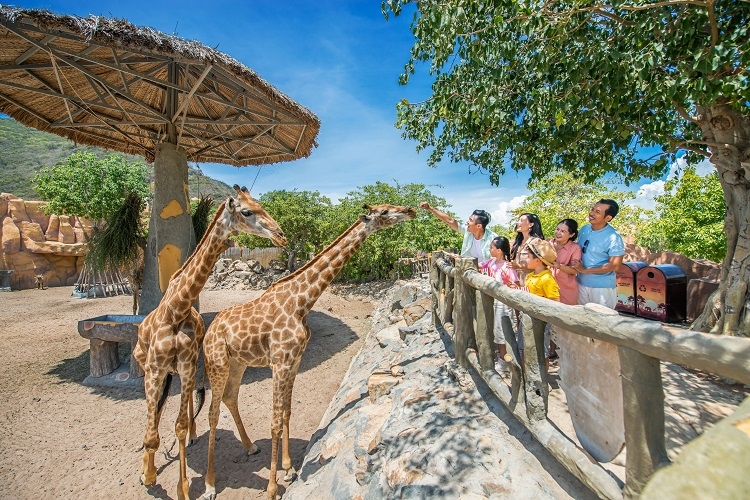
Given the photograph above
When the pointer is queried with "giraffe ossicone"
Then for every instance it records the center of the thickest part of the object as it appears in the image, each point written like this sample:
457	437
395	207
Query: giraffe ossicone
170	336
272	330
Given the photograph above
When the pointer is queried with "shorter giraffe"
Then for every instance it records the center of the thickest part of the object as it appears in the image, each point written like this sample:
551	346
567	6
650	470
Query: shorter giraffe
170	336
272	330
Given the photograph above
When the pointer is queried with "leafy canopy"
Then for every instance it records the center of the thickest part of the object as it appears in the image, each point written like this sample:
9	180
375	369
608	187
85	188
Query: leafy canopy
311	222
379	253
302	215
564	195
689	218
577	85
88	186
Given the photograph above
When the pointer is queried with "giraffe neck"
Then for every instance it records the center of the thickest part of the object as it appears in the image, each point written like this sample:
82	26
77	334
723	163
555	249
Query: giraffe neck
187	283
315	276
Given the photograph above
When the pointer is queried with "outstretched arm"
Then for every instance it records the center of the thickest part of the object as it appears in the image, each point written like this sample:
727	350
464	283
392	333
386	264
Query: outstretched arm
447	219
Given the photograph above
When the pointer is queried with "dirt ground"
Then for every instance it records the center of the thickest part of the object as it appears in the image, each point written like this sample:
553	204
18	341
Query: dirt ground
62	439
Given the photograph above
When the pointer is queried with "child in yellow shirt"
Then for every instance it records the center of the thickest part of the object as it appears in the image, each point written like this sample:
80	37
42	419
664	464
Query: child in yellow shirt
539	281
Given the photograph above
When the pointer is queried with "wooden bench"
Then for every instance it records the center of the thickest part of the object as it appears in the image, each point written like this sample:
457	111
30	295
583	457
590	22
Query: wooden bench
104	334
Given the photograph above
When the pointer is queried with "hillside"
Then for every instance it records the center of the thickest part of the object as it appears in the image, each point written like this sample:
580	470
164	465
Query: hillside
24	151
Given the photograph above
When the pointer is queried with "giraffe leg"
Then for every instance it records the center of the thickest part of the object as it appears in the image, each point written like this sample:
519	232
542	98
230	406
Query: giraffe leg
153	381
187	357
276	426
217	367
286	459
230	399
195	325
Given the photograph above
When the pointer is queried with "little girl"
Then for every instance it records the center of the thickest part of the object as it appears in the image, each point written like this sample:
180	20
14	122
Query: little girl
499	267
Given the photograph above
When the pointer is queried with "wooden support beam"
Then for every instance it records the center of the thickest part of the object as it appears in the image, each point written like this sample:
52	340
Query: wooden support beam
465	303
643	406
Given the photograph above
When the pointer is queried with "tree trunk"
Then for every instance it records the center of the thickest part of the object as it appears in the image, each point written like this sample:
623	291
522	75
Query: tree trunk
727	133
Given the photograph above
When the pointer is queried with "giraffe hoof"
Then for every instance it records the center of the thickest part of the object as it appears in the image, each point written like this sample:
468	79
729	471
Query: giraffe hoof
290	474
148	481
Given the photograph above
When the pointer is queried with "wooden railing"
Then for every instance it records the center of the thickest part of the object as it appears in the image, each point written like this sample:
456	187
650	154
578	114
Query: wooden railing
463	307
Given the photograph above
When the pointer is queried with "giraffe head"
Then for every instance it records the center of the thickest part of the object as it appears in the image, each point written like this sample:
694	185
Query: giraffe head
247	215
382	216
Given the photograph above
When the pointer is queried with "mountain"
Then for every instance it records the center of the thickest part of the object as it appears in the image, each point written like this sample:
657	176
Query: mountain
24	151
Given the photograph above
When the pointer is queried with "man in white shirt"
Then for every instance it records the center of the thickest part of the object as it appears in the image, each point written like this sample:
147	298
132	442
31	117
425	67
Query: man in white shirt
477	237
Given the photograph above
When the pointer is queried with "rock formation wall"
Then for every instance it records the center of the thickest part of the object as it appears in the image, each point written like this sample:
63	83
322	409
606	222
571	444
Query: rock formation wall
33	243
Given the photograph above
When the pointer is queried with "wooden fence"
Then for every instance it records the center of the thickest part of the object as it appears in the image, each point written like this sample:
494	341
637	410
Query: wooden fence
262	255
463	306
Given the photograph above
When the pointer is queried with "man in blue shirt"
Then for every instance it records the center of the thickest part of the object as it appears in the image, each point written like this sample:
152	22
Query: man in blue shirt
477	237
602	250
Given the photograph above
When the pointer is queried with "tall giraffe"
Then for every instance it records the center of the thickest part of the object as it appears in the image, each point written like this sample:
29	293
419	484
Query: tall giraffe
272	330
170	337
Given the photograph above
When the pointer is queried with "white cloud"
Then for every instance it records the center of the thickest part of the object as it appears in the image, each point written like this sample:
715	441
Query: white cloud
502	215
647	193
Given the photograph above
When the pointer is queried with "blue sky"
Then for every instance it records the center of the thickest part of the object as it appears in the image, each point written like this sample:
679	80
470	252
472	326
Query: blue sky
342	61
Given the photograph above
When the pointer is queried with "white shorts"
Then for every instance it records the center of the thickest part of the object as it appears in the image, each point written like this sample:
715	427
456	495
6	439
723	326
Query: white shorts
603	296
502	309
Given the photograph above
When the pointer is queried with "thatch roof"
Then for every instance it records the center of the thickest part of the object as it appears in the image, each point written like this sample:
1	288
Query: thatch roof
108	83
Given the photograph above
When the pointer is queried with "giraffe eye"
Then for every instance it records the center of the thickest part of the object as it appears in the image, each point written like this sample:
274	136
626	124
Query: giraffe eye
246	212
384	212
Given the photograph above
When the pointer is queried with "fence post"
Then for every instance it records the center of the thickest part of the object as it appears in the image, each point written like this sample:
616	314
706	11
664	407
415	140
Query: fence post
463	326
435	289
485	326
643	402
535	375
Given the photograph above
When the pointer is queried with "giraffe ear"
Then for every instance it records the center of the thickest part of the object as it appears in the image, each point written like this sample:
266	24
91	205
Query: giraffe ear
230	204
364	218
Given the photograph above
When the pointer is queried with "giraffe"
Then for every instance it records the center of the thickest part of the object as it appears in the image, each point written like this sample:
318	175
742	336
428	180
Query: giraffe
272	330
170	336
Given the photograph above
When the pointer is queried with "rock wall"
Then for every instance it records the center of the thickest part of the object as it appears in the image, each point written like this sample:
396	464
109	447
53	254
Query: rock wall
694	268
33	243
408	422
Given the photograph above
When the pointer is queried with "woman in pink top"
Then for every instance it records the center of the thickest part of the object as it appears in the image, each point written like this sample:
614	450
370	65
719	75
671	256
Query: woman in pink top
568	254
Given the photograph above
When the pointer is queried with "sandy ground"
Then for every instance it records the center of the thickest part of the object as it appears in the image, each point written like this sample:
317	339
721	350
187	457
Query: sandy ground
61	439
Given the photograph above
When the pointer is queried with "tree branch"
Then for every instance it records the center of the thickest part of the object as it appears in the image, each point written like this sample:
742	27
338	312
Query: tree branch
683	112
702	152
712	19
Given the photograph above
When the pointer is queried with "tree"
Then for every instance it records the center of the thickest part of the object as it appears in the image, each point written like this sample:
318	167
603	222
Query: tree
381	250
564	195
304	217
586	87
87	186
689	218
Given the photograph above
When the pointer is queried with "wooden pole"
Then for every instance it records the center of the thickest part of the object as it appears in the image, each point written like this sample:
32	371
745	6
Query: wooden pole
485	326
465	305
643	406
435	289
535	376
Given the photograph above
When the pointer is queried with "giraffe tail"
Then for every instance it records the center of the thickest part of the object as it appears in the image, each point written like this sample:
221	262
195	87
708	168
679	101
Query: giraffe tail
165	392
200	392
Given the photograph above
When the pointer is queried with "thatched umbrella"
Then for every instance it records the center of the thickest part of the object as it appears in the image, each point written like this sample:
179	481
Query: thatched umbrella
107	83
